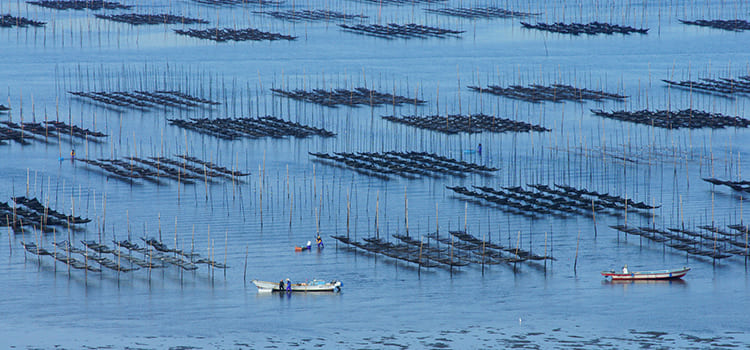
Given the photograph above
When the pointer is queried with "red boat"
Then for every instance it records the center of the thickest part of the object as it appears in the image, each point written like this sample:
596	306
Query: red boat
626	275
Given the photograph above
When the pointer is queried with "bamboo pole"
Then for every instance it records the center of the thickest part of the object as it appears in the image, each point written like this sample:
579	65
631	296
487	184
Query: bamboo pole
205	180
104	210
593	214
54	240
575	263
291	206
451	255
545	252
437	222
406	212
86	265
23	236
209	249
159	221
348	210
484	252
179	173
419	260
10	246
626	218
466	217
377	217
69	240
747	248
226	247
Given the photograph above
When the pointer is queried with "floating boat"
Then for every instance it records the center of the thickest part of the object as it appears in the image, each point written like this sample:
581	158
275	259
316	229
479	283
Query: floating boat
307	247
311	286
626	275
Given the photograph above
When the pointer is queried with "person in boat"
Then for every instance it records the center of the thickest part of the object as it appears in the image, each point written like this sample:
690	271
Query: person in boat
72	153
288	285
319	241
625	269
281	285
309	245
479	149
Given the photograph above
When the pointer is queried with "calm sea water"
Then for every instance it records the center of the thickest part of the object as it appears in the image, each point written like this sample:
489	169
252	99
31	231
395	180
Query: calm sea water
253	225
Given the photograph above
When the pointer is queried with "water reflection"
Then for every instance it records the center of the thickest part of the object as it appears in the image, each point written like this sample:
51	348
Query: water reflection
675	282
295	295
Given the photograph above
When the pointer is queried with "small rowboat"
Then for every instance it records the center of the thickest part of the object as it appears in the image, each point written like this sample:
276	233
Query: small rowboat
307	247
311	286
645	275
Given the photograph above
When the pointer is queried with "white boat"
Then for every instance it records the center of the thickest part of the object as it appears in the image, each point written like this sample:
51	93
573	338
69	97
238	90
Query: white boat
310	286
626	275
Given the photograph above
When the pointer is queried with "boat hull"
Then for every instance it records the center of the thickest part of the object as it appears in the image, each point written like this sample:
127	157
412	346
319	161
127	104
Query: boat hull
311	287
646	275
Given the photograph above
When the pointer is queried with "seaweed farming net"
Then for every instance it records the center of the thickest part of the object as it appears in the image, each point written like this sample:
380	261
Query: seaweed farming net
23	133
251	128
686	118
480	12
410	165
739	185
311	15
474	123
239	2
230	34
360	96
457	249
713	242
400	31
726	86
561	201
593	28
145	100
141	19
80	4
553	93
404	2
159	169
9	21
31	212
734	25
